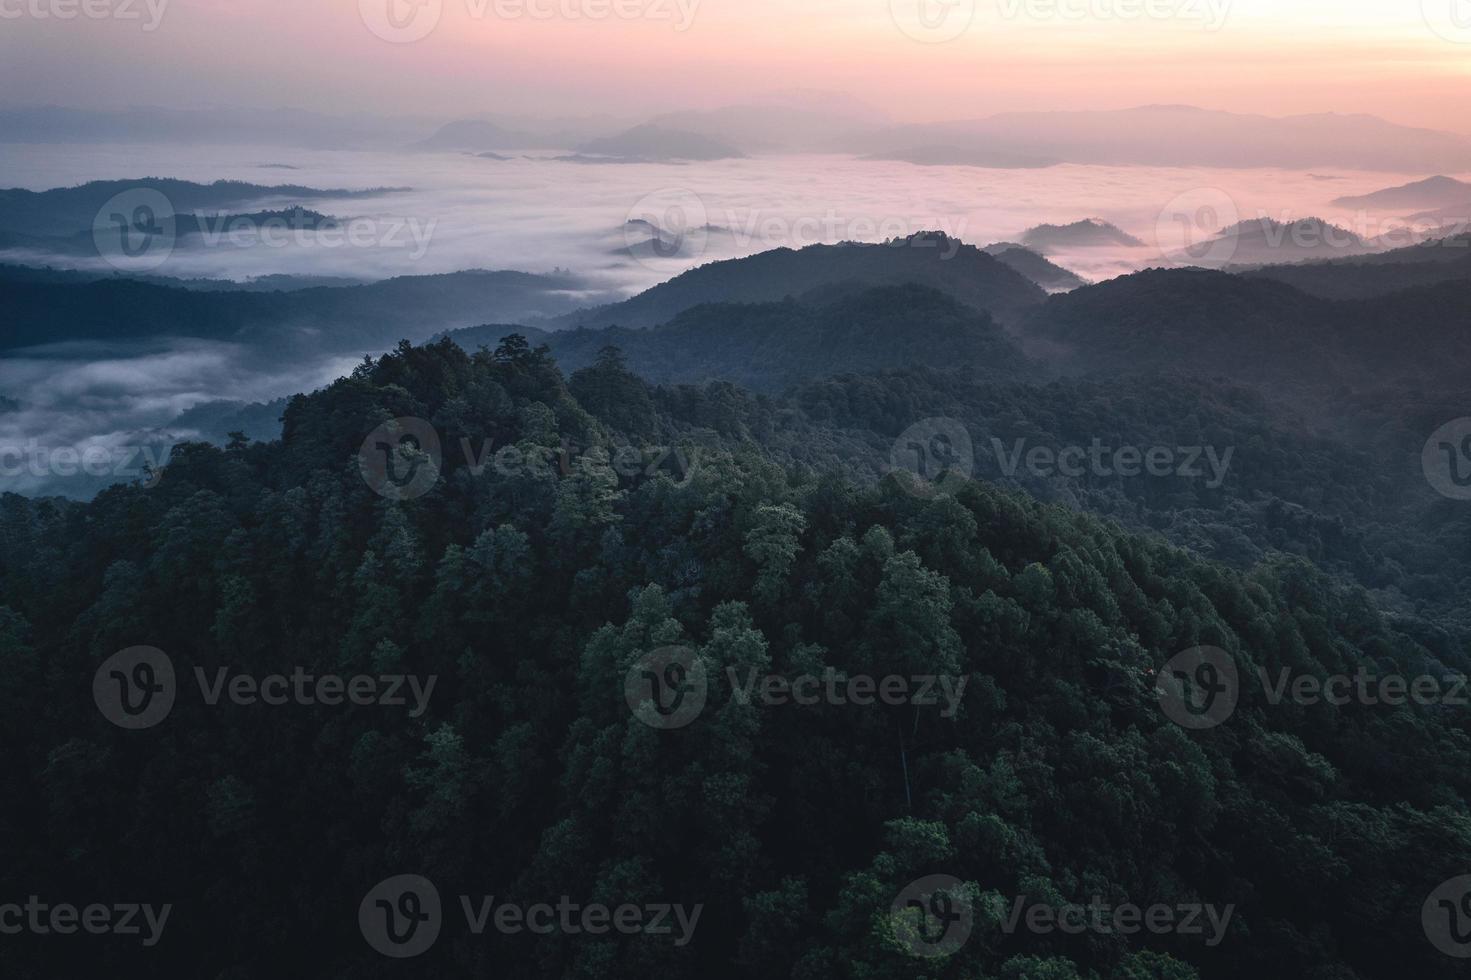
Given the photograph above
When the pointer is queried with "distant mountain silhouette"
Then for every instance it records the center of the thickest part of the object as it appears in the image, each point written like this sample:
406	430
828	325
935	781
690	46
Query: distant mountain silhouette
1267	241
802	125
1255	330
771	346
1361	277
474	136
67	211
1431	193
1047	274
345	319
953	156
657	143
1088	233
1178	136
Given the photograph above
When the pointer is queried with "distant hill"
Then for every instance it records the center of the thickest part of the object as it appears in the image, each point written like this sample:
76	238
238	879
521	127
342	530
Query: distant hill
474	136
800	125
958	156
658	143
260	284
1255	330
771	346
1266	241
1088	233
1178	136
346	319
1045	273
1433	192
1445	260
928	259
67	211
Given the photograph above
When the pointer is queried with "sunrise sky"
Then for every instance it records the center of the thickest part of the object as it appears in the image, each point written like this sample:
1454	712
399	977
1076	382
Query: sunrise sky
1278	57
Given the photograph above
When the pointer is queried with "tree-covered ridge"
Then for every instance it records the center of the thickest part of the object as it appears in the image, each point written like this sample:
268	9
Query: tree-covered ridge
931	259
1257	331
771	346
530	590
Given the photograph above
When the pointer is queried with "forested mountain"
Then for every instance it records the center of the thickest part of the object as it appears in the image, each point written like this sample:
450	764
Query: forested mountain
1045	273
927	259
1442	260
530	591
65	211
1254	329
1266	241
1088	233
771	346
335	318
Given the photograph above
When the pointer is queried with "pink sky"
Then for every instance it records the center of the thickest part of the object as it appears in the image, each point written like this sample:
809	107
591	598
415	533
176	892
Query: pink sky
1396	58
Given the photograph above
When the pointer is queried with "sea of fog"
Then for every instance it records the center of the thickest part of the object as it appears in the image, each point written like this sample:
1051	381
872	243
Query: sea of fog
531	212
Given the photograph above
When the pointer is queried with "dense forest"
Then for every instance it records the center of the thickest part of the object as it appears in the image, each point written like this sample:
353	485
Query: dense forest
758	534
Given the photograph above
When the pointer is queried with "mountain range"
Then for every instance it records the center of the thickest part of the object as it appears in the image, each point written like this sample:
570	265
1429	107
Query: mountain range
1172	136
